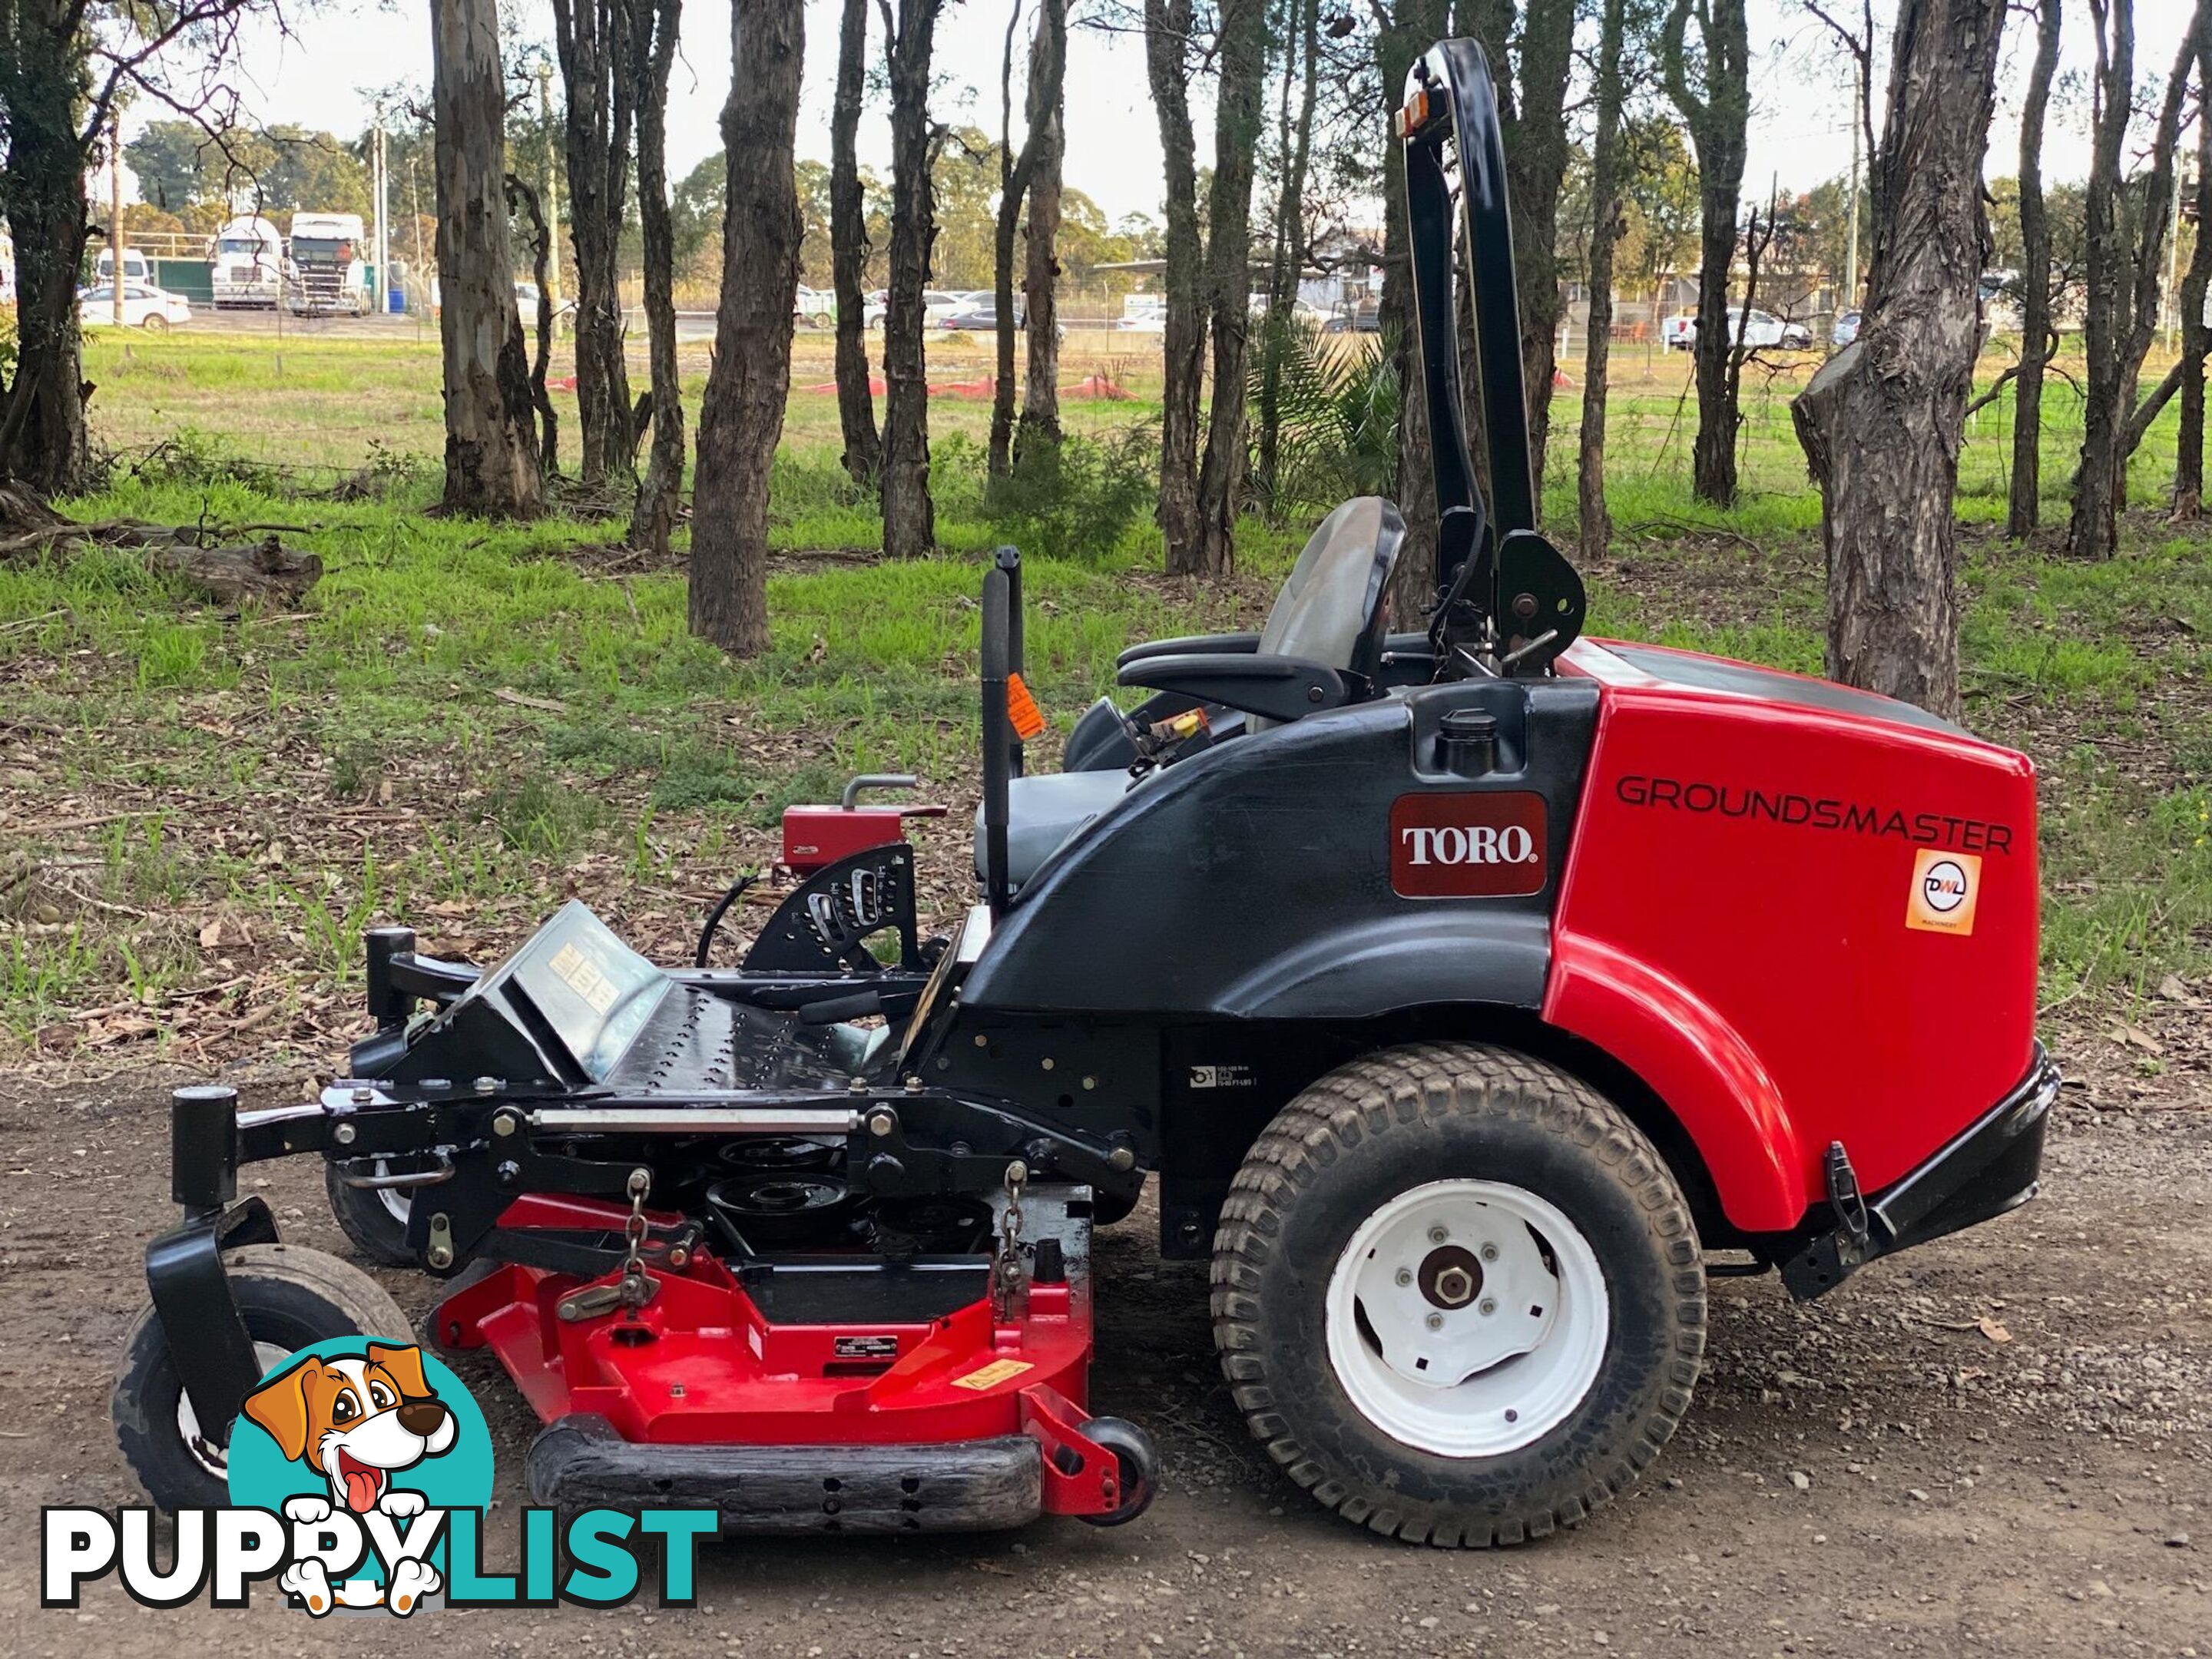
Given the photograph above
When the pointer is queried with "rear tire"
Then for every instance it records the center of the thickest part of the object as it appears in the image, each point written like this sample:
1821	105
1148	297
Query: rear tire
289	1297
1458	1211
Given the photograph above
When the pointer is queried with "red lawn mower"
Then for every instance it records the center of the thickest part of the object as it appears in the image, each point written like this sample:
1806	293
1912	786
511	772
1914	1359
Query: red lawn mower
1462	989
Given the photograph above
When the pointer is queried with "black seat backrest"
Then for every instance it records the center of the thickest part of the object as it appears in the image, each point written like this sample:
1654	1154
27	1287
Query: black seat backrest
1331	609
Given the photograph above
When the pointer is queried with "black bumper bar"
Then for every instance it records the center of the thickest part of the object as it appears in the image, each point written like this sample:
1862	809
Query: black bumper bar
970	1485
1989	1166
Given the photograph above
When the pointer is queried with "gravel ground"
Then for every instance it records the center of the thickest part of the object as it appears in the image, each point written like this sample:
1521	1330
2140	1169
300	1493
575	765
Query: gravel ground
2001	1444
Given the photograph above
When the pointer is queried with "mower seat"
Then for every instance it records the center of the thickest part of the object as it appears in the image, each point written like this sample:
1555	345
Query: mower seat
1331	609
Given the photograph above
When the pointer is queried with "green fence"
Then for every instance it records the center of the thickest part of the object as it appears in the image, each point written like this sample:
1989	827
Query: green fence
190	277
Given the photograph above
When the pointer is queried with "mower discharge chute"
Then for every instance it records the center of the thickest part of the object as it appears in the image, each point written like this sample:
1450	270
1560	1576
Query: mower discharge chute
1463	987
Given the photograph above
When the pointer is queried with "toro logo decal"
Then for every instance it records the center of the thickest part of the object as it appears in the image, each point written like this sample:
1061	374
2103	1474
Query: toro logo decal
1945	886
1467	844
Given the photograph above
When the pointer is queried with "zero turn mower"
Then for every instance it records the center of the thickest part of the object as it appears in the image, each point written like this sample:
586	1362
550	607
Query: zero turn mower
1463	989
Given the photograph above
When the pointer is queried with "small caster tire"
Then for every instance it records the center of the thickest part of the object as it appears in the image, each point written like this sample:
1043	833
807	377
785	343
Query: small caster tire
375	1221
1138	1467
289	1297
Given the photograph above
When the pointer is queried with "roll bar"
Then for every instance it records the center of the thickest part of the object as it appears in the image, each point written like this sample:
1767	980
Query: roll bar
1506	599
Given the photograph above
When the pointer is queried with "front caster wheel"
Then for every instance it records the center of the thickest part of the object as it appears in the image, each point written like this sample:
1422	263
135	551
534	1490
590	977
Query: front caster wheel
289	1297
1138	1480
1458	1296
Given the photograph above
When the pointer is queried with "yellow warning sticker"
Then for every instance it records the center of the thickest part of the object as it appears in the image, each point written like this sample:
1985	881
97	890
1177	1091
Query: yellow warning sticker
990	1375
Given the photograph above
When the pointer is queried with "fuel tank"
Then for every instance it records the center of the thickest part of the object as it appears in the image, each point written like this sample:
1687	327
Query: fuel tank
1803	913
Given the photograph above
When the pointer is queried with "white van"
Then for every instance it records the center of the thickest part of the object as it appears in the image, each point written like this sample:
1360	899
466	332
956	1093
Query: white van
137	267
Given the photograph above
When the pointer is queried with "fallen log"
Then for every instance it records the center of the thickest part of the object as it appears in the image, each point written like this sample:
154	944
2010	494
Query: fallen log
266	570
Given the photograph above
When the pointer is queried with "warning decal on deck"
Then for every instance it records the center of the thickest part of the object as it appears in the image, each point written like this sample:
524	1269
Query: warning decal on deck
990	1375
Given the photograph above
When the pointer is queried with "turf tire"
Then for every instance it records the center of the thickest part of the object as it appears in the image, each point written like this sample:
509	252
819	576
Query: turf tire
1393	1121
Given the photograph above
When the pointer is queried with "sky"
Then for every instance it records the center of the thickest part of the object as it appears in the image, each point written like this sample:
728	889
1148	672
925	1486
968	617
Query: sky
327	76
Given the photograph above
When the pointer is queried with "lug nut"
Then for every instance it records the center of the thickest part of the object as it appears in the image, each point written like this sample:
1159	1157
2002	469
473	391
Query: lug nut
1490	1253
1488	1305
1454	1287
1405	1276
1437	1235
1436	1322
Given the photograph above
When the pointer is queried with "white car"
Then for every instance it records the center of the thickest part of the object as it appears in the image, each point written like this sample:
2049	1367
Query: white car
937	304
814	306
153	309
1757	330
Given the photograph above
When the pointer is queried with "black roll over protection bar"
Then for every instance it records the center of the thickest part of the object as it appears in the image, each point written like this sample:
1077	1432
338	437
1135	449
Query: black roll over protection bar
1507	600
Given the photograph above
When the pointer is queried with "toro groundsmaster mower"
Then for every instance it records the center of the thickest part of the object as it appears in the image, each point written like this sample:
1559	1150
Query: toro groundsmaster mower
1461	989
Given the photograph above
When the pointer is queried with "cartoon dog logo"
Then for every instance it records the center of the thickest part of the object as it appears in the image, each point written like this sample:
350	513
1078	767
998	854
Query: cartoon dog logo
356	1422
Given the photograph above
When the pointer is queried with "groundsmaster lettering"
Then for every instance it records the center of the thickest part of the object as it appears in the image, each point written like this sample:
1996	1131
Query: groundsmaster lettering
1852	817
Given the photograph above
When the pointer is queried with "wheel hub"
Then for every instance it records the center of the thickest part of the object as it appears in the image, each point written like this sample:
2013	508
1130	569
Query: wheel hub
1468	1318
1450	1276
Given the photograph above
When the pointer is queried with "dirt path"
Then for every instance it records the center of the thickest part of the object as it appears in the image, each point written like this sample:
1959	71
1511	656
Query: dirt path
1873	1473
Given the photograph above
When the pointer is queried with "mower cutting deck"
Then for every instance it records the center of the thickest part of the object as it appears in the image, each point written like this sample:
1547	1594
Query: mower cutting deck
1463	987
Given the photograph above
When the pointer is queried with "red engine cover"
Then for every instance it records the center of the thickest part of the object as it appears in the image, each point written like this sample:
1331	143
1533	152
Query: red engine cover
1800	919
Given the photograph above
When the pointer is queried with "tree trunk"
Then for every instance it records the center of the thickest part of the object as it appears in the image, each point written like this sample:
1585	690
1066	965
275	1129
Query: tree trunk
1594	527
2024	500
1039	426
1536	151
652	37
1717	118
1242	53
849	248
1883	420
491	460
521	198
741	418
1167	65
909	515
43	441
591	37
2196	337
1294	143
1015	173
2122	313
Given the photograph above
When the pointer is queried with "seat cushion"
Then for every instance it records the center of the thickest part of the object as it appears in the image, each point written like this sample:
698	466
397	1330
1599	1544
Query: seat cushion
1043	811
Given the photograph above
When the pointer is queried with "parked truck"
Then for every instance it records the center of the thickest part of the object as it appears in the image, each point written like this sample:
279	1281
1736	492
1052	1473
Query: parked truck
246	266
328	273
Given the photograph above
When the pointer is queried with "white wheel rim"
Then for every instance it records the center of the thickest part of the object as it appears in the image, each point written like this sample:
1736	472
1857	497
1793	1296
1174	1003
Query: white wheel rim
1468	1318
214	1459
398	1201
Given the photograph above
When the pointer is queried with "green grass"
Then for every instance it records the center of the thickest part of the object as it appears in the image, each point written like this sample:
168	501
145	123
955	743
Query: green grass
311	773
